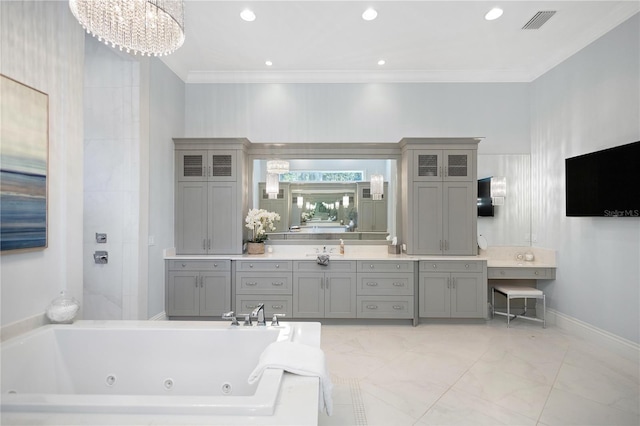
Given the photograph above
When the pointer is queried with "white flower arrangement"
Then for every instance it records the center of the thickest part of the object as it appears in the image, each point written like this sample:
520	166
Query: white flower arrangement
260	221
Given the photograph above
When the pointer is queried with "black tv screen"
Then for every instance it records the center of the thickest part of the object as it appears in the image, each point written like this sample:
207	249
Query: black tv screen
485	206
604	183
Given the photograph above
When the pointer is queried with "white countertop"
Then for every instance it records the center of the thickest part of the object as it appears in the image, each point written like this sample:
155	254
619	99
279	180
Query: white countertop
496	257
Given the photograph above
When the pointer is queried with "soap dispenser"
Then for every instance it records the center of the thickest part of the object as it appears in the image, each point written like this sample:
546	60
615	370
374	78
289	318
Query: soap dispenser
341	246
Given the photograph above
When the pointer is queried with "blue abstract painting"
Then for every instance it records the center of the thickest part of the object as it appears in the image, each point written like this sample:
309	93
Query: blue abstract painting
24	140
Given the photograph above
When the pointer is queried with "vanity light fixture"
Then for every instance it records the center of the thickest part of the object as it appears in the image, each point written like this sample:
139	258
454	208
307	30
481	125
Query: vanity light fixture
273	185
370	14
248	15
498	190
377	187
300	201
493	14
277	166
148	27
345	201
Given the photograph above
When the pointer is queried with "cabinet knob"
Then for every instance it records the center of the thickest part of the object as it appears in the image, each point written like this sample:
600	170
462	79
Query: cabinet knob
184	265
501	272
215	265
371	266
466	265
277	266
251	265
398	266
537	272
435	266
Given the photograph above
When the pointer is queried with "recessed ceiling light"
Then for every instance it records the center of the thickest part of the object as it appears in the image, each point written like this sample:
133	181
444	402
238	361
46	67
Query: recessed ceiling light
268	63
382	62
494	13
369	14
248	15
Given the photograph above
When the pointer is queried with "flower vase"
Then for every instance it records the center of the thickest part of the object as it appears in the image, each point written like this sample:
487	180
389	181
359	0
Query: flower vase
255	248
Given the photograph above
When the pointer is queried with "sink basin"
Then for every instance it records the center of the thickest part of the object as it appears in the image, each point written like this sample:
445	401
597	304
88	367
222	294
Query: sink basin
328	254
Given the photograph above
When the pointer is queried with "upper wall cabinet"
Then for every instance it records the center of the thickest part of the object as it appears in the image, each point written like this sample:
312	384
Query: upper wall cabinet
444	165
206	165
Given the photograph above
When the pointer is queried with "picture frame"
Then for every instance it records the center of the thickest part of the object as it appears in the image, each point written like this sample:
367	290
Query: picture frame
24	158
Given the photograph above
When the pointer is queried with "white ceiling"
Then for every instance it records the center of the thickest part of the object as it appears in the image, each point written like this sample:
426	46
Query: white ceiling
421	41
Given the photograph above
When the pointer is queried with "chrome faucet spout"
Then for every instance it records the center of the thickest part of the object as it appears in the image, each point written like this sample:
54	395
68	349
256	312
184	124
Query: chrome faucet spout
258	313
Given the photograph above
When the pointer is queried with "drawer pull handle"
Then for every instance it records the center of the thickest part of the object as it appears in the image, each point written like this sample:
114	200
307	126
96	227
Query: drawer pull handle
372	306
466	265
277	284
435	266
398	284
371	266
398	266
215	265
250	306
277	307
252	283
251	265
398	307
372	283
537	272
277	266
184	264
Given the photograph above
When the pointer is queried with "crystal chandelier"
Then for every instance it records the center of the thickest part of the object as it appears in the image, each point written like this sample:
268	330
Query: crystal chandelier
148	27
377	187
277	166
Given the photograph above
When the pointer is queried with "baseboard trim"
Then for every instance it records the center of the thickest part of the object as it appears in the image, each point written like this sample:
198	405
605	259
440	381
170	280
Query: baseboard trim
162	316
621	346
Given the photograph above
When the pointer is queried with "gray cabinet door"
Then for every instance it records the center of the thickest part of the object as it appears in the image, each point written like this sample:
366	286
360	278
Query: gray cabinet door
191	166
223	221
184	293
427	166
458	165
340	295
215	293
435	295
308	295
458	218
467	295
427	218
191	218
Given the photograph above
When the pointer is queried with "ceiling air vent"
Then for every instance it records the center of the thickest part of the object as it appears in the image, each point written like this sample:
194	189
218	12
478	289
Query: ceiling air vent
539	19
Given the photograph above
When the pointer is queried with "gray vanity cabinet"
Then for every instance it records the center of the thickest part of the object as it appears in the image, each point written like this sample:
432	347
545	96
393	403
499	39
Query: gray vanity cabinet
385	289
443	218
268	282
208	201
440	208
198	288
324	291
452	289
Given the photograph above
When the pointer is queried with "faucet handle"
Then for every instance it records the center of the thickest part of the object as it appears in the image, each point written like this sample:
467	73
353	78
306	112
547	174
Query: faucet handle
274	320
230	316
247	319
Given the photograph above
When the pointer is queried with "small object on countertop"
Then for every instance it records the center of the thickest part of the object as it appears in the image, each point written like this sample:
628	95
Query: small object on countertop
528	256
63	309
323	259
341	246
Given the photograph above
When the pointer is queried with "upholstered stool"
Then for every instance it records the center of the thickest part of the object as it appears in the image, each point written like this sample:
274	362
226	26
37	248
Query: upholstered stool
516	292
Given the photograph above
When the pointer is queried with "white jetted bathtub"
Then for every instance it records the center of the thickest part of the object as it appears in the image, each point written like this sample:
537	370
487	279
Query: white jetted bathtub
145	367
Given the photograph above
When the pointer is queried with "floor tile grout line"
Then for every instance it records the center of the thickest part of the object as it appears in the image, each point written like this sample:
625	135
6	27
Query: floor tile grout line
553	385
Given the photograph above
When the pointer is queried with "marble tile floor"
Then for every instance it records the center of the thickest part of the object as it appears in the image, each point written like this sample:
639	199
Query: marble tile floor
476	374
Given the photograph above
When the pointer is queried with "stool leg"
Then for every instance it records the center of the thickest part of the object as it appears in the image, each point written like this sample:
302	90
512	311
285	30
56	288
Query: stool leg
525	307
508	310
493	302
544	311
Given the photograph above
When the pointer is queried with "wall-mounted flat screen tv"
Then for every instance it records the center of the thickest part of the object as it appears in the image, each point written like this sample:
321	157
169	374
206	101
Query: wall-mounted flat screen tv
485	206
604	183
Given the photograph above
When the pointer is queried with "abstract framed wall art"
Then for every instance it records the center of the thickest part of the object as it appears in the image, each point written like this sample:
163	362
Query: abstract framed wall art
24	150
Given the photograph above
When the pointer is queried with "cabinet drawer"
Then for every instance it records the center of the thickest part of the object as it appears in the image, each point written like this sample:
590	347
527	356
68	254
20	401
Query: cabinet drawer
263	265
245	304
200	265
333	266
385	266
521	272
451	266
385	284
385	307
263	283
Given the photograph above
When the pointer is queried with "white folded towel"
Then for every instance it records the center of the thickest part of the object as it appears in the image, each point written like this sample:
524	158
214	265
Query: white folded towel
299	359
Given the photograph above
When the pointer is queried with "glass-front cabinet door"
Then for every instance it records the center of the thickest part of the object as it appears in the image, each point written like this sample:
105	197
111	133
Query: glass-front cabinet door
443	165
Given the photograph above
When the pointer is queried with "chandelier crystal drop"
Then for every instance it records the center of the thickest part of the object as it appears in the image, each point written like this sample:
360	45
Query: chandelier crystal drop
147	27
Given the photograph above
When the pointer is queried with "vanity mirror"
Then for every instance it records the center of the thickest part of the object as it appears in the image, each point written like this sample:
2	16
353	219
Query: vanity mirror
321	199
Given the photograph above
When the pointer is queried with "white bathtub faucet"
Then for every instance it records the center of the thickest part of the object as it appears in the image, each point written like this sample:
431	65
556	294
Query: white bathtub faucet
258	314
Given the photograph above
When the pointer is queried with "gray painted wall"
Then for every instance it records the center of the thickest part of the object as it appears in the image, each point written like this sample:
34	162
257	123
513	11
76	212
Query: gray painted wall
42	45
589	102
